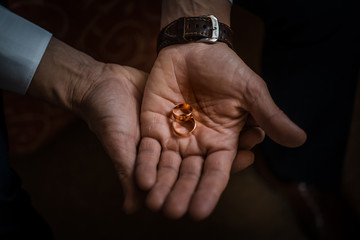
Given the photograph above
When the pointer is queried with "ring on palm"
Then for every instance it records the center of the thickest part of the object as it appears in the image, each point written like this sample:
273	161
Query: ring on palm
184	123
182	112
184	129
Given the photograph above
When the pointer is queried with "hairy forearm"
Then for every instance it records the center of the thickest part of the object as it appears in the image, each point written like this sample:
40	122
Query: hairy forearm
60	74
174	9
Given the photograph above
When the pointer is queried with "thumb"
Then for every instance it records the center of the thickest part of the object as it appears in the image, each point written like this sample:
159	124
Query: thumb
270	118
122	151
132	194
125	172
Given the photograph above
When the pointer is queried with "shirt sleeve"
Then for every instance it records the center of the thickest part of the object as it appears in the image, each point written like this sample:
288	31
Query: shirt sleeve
22	45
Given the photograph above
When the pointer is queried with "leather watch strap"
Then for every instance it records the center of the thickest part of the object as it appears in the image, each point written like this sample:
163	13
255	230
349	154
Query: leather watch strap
195	29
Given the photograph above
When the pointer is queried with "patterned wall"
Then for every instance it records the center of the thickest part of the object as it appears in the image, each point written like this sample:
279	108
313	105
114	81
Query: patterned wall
116	31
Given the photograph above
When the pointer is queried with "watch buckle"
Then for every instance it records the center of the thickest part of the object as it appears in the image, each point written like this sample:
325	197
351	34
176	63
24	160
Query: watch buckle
214	30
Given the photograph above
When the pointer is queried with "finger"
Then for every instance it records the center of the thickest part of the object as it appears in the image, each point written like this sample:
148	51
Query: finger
243	159
177	203
270	118
146	162
214	179
167	174
247	140
250	137
132	198
123	154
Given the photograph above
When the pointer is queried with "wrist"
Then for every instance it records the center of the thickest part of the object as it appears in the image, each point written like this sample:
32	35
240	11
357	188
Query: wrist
202	29
174	9
64	75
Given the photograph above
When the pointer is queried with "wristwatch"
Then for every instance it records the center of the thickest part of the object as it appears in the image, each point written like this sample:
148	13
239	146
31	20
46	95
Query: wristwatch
205	29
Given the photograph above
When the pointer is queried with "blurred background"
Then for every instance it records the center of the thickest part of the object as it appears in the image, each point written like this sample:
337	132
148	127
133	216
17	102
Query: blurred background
70	178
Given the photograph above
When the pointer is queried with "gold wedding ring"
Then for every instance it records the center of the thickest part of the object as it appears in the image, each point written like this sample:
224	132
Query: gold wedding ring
184	123
182	112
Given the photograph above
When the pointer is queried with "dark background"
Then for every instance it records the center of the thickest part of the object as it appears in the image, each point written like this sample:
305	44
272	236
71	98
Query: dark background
70	178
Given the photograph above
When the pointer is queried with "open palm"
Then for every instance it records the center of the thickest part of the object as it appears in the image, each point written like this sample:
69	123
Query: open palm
190	173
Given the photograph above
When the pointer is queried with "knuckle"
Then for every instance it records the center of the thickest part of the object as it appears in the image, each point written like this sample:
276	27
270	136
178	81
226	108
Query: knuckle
255	88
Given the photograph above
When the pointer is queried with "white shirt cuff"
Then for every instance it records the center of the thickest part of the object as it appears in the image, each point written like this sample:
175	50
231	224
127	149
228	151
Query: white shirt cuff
22	45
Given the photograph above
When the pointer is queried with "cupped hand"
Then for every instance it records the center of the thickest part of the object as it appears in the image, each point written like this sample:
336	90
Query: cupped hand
106	96
188	174
111	107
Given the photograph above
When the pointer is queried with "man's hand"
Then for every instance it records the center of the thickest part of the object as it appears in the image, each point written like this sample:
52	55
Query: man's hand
188	174
111	107
106	96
